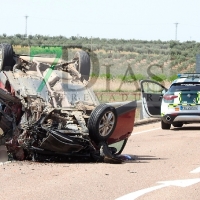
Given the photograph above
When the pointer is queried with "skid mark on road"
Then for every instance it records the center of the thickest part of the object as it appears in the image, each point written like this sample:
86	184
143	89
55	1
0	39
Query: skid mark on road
144	131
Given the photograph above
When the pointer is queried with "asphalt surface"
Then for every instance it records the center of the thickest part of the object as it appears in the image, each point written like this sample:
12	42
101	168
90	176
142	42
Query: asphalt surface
164	165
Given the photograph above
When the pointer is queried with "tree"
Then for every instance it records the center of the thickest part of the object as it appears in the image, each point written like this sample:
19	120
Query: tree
18	35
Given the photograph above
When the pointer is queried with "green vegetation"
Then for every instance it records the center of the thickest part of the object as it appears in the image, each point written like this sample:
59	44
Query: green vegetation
130	78
173	77
125	60
55	51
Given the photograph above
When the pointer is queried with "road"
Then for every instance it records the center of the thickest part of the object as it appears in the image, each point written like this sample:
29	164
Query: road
165	165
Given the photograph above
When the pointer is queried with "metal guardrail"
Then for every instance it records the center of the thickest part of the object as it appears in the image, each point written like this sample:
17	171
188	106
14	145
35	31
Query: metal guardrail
118	96
139	111
139	103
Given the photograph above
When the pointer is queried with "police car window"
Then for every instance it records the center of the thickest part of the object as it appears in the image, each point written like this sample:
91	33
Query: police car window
150	87
184	87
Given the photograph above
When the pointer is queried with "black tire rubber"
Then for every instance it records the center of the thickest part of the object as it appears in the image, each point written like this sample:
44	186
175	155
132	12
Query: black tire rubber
177	125
165	125
83	64
96	119
6	57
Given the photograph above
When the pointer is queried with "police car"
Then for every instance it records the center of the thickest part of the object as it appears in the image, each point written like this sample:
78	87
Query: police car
178	105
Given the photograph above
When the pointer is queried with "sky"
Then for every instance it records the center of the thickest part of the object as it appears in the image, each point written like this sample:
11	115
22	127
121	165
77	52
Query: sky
120	19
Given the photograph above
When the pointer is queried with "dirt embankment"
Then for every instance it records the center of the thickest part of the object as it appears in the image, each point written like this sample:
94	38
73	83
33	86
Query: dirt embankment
102	84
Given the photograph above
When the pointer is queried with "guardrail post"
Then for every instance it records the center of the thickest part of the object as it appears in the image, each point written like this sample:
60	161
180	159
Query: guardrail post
141	112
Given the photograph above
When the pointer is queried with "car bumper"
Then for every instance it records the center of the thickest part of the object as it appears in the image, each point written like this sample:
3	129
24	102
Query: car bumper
189	118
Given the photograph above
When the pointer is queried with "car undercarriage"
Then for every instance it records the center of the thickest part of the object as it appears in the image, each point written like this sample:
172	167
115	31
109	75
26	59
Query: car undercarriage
49	113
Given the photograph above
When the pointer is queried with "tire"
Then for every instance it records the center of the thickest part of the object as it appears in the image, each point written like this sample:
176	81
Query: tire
165	125
6	57
102	122
178	125
83	66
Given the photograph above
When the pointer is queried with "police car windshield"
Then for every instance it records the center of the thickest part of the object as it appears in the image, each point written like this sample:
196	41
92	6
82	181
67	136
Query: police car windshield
184	87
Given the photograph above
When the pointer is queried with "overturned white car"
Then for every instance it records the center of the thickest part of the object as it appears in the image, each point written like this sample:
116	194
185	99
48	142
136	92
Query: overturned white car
49	113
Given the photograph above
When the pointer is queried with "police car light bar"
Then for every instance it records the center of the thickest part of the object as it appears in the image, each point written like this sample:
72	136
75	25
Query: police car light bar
189	75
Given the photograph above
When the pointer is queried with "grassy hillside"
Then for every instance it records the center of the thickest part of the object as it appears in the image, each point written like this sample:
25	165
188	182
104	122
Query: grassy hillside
118	65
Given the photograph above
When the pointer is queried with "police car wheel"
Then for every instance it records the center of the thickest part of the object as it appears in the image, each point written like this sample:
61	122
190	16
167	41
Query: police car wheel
165	125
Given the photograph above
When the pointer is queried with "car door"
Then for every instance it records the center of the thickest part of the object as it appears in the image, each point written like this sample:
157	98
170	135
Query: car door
151	93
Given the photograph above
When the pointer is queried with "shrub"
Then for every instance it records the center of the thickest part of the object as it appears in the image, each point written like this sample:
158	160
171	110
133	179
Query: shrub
130	78
173	77
107	76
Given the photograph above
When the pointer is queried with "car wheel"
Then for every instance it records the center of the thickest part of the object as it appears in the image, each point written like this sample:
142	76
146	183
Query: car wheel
102	122
178	125
83	65
165	125
6	57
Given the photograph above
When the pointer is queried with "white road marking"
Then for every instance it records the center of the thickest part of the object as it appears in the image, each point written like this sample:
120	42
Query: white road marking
139	193
180	183
197	170
144	131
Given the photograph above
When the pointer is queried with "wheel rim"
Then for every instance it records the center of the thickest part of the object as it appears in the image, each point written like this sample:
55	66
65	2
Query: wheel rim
106	123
